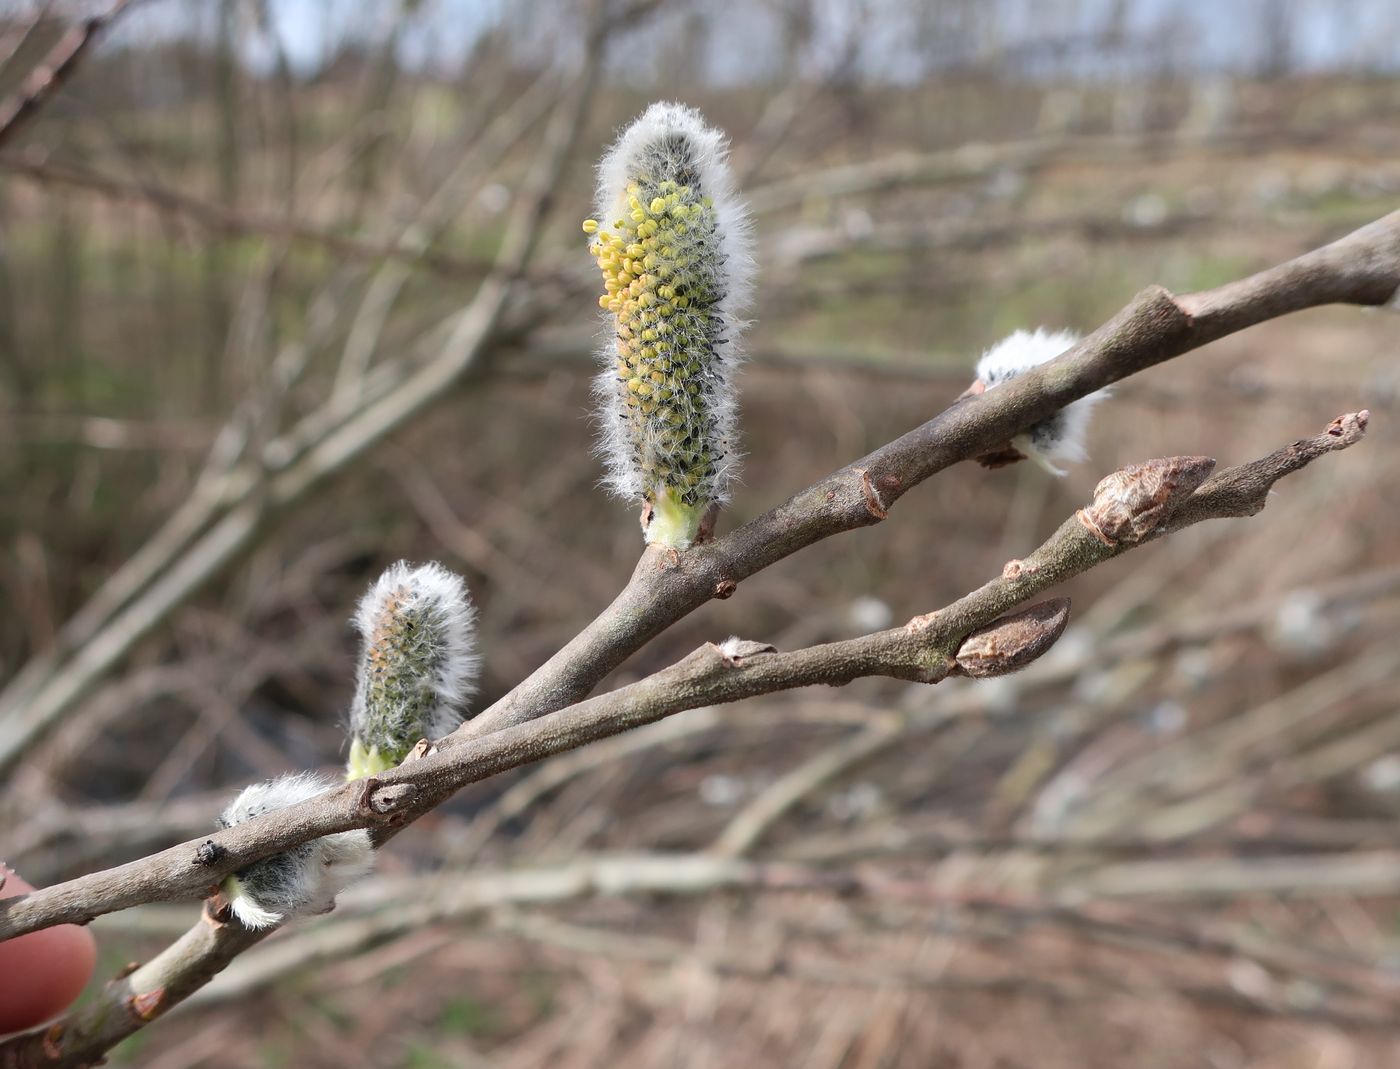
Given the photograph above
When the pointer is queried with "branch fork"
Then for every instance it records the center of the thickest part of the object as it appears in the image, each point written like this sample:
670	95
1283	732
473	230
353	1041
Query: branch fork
980	634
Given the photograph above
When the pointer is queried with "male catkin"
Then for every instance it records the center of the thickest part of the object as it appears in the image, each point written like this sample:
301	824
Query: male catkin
673	246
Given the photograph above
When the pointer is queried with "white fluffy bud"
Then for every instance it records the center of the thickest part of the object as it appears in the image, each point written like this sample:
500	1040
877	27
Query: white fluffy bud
304	879
417	665
1056	438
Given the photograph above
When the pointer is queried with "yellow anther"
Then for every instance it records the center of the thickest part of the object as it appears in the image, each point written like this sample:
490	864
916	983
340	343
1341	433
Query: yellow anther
590	226
605	301
639	216
658	205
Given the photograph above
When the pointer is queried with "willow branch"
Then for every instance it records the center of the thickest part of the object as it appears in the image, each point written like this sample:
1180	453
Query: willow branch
545	715
1362	268
926	649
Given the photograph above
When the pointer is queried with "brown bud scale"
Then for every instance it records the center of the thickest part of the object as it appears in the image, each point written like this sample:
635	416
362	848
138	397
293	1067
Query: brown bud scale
1013	641
1133	502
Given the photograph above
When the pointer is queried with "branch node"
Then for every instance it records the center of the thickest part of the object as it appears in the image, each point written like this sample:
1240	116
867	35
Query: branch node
217	912
208	853
364	803
734	650
388	800
52	1042
1016	569
724	589
147	1005
870	490
940	669
380	803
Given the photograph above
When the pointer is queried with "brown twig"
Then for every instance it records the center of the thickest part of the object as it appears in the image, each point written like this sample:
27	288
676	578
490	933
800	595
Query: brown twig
923	650
53	70
545	715
1361	268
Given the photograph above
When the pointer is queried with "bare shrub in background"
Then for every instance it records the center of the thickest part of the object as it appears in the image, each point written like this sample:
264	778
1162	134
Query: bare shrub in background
1179	812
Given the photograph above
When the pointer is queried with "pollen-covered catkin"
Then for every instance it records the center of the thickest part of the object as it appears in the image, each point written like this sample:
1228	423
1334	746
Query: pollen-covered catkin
672	242
1059	437
417	664
304	879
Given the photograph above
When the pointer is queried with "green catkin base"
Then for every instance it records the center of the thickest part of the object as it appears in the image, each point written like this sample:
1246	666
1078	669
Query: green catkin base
673	522
660	266
366	761
403	656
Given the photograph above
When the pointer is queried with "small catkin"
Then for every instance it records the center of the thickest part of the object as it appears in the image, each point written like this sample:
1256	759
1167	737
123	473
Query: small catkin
672	242
1059	437
304	879
417	664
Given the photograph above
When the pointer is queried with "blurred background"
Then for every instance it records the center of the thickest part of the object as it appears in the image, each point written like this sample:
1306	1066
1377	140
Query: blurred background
253	348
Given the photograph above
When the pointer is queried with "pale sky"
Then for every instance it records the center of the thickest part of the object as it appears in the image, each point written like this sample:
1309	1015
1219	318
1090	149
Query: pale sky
901	41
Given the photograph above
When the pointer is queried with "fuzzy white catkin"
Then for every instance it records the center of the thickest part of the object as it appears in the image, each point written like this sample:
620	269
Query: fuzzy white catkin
304	879
417	665
673	241
1059	437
